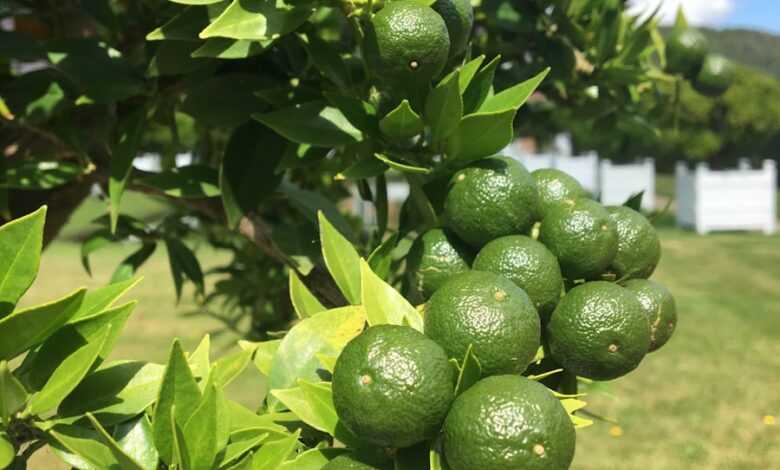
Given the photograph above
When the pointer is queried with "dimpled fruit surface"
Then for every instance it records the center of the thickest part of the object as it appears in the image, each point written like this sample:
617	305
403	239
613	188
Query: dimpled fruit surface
491	198
436	256
488	312
555	188
599	331
659	306
392	386
508	422
639	249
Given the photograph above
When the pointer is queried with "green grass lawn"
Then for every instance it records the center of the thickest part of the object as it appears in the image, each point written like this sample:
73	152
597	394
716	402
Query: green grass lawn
698	403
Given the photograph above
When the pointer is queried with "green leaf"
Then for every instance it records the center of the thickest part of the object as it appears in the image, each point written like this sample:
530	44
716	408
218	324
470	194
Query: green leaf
342	260
635	201
469	371
21	242
192	181
312	459
256	20
70	371
125	461
312	123
421	204
123	153
680	21
311	203
226	100
174	58
224	48
383	304
67	340
115	393
183	27
135	439
480	86
196	2
263	353
7	451
381	259
402	123
94	242
96	301
227	368
312	403
81	448
26	328
130	265
402	167
481	135
180	456
13	395
200	430
304	302
180	389
514	97
245	178
183	263
327	361
245	421
324	333
444	107
572	405
235	450
199	361
467	73
39	175
326	58
362	169
361	114
272	455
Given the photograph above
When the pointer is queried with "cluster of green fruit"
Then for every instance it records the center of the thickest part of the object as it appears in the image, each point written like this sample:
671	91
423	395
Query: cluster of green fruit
687	54
554	270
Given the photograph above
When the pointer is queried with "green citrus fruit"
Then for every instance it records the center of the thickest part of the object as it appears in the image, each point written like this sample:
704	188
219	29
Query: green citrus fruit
491	198
459	17
508	422
599	331
488	312
392	386
659	306
715	77
436	256
582	236
527	263
685	51
353	462
407	43
639	248
555	188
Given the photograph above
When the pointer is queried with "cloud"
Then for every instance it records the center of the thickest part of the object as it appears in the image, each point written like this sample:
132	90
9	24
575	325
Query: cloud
698	12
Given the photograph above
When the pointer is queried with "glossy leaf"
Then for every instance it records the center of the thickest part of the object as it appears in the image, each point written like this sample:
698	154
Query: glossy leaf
13	395
304	302
481	135
227	368
199	360
401	123
7	451
116	392
311	203
402	167
381	259
272	455
342	260
200	430
312	459
312	123
26	328
130	265
324	333
125	461
225	48
263	353
179	396
39	175
96	301
226	100
192	181
81	448
635	201
361	114
135	439
479	87
384	304
468	71
514	97
444	107
243	419
123	153
235	450
256	20
21	242
183	27
68	374
183	264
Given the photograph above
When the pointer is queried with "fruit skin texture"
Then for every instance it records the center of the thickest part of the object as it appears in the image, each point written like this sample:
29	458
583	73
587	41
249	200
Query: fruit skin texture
639	249
556	188
404	33
489	312
392	386
659	306
685	52
527	263
508	422
436	256
715	77
582	236
458	15
599	331
491	198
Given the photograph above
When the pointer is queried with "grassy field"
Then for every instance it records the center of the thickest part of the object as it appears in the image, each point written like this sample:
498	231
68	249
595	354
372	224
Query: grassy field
699	403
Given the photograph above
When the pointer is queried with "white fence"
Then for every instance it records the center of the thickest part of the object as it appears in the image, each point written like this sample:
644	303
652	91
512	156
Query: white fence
740	199
618	182
584	168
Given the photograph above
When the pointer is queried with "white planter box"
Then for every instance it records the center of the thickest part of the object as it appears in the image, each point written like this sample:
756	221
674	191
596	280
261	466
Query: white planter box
619	182
583	168
740	199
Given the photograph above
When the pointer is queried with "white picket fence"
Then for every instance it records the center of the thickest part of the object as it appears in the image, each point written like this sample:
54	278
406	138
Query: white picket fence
583	167
618	182
739	199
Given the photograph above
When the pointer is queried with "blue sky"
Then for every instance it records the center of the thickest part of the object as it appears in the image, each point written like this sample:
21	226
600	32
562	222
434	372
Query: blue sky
754	14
